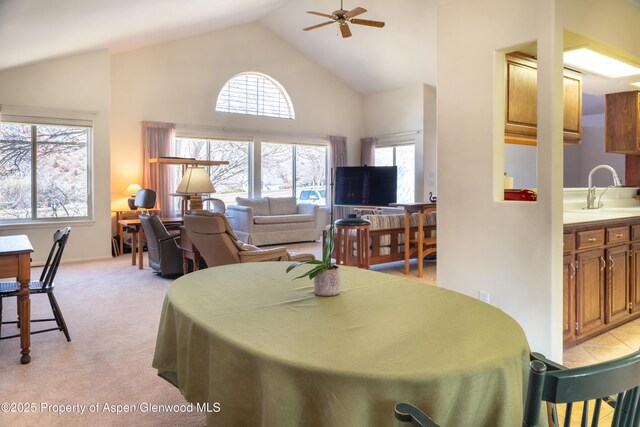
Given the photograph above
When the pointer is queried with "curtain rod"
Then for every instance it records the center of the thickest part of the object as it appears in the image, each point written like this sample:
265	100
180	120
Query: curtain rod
398	134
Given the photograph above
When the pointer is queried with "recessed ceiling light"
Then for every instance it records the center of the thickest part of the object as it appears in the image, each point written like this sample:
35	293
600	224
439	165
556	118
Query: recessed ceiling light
597	63
636	84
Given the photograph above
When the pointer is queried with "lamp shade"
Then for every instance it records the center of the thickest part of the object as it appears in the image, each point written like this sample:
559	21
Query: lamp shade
195	180
131	190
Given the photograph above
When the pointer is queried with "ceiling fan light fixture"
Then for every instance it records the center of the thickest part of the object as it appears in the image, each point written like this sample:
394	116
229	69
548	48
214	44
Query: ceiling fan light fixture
344	18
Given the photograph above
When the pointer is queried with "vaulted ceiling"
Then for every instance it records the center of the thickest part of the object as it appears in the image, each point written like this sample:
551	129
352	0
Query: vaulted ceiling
371	61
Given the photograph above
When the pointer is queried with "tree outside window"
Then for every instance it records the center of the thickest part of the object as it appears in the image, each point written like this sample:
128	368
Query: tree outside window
402	156
43	171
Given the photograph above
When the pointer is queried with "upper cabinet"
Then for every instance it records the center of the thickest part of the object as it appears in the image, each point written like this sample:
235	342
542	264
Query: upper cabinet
622	122
521	104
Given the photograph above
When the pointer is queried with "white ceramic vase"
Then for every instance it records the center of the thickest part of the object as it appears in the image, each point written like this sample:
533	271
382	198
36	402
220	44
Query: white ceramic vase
327	283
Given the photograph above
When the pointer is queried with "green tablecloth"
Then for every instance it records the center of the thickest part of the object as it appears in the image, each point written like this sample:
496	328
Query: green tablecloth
272	353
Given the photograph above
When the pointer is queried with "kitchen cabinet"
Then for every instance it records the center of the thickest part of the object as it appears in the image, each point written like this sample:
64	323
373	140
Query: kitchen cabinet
601	277
521	103
568	292
622	122
590	281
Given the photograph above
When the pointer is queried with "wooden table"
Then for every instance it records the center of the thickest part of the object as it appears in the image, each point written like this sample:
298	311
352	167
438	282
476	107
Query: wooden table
15	261
134	227
128	214
422	209
273	354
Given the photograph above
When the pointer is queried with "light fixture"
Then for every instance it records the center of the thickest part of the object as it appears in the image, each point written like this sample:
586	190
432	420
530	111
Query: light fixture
636	84
597	63
195	182
131	190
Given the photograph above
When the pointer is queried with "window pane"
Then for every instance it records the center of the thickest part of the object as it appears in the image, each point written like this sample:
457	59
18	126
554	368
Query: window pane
311	174
62	171
277	170
384	156
15	171
255	94
406	172
230	180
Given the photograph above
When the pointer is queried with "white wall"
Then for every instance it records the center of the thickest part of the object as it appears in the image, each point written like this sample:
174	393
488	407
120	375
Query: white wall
581	158
80	83
510	249
179	82
408	109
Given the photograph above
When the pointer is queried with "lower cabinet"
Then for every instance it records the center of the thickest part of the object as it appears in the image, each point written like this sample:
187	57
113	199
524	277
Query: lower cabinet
590	281
601	277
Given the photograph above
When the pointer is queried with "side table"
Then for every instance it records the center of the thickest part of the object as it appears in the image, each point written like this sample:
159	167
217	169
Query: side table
425	245
128	214
343	242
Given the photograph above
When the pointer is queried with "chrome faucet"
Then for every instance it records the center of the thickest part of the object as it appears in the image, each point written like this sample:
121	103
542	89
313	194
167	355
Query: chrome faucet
591	192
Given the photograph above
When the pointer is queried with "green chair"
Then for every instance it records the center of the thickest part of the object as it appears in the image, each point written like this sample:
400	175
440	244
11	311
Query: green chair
615	382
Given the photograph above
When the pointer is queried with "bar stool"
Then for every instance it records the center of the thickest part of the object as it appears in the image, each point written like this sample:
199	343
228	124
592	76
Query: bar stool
343	242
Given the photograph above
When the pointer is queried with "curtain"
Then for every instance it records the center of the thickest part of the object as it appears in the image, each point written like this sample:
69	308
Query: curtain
368	151
156	142
338	157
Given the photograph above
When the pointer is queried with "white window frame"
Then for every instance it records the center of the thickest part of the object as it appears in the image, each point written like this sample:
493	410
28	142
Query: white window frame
258	95
398	142
47	117
255	141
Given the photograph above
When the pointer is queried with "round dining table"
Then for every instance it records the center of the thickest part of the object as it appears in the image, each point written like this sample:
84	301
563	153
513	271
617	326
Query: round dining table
263	350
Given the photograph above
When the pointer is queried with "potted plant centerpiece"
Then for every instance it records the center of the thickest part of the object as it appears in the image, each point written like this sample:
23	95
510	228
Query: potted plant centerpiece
325	273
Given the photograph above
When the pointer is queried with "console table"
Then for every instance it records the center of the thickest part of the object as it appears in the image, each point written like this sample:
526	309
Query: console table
424	245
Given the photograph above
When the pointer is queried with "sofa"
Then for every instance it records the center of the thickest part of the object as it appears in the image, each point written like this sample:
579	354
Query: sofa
386	236
274	220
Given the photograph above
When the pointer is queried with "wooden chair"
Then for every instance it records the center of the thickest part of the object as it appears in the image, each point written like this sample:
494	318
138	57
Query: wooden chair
43	286
615	382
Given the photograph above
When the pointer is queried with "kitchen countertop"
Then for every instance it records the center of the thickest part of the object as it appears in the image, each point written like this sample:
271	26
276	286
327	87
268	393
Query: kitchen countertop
619	203
588	215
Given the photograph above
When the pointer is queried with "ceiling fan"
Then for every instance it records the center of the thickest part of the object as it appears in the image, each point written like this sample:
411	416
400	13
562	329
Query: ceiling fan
343	18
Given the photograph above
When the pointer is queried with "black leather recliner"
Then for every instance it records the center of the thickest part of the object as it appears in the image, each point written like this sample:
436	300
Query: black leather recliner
165	256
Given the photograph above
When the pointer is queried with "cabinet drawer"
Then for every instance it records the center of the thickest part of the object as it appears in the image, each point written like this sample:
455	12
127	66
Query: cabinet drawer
617	234
635	232
569	242
590	238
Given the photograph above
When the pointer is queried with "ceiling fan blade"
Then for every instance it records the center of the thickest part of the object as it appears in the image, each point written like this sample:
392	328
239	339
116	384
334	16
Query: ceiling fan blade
355	12
344	29
321	14
378	24
318	26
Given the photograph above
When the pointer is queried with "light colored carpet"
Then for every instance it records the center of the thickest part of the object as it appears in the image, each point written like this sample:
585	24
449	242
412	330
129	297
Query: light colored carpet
112	310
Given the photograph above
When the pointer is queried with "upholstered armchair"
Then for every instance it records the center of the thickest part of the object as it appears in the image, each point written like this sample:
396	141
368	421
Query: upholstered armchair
165	256
218	244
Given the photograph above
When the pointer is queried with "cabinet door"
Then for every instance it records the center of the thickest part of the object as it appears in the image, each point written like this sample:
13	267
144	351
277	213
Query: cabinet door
634	280
522	100
617	292
572	106
569	298
590	291
622	127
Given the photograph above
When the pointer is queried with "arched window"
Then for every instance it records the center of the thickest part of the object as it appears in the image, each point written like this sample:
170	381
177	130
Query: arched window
255	94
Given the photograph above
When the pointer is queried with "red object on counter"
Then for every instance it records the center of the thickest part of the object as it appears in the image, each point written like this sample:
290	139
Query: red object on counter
524	195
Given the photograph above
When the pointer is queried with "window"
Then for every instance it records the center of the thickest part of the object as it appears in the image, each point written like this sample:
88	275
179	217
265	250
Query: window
297	170
44	170
230	180
255	94
402	156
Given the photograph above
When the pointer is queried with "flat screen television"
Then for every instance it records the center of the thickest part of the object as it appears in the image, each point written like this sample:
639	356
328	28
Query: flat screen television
366	185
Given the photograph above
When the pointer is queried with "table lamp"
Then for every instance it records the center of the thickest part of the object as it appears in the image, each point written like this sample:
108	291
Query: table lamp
195	181
131	190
